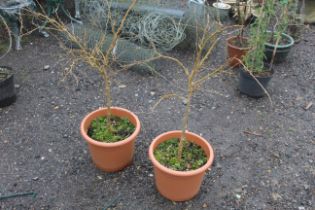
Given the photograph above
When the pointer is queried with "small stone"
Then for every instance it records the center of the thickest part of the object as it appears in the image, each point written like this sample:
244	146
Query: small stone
49	150
42	158
152	93
100	177
238	196
301	208
136	95
150	175
275	196
35	178
17	86
46	67
306	187
185	101
122	86
308	106
204	205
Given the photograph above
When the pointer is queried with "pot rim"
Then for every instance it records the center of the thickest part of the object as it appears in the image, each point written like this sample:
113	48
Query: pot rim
114	144
291	40
181	173
233	46
247	74
10	73
10	70
216	5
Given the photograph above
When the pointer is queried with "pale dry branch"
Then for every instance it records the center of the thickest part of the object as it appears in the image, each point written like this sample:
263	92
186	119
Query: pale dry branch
166	96
9	36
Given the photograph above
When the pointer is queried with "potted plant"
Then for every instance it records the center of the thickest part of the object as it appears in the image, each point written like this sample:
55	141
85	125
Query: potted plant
279	43
221	10
255	75
110	132
180	157
237	46
296	10
7	89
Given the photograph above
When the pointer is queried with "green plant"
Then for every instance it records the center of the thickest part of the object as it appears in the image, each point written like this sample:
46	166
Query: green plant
243	8
120	129
193	156
254	59
96	56
206	39
296	18
282	20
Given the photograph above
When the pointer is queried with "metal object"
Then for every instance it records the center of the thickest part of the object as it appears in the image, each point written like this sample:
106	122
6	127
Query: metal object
53	7
11	11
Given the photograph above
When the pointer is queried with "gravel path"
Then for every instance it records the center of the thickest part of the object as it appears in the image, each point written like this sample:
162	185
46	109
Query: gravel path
42	151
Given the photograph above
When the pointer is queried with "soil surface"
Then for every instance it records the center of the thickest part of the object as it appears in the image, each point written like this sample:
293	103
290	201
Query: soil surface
264	154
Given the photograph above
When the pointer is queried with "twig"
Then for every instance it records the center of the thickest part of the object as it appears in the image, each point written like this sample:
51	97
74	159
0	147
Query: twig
252	133
33	194
252	75
9	35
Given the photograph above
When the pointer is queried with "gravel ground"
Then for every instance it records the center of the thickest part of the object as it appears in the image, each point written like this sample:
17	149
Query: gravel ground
42	151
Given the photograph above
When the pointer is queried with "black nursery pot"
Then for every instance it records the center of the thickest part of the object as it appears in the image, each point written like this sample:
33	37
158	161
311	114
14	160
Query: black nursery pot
7	89
282	51
249	86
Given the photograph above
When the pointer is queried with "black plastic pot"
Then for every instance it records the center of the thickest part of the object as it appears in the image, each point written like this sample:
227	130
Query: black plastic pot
7	89
249	86
282	51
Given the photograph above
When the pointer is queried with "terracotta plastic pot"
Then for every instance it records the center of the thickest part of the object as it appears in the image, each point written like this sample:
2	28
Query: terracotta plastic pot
235	51
179	185
111	157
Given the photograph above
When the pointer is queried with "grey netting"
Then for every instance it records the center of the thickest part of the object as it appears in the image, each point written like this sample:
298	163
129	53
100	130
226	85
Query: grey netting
150	22
162	30
125	51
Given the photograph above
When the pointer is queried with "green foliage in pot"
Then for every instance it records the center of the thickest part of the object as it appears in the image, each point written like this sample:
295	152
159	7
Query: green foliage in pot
272	14
281	17
254	59
120	129
193	156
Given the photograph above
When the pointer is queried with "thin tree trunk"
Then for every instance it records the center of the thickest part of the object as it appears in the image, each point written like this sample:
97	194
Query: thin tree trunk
108	98
185	123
